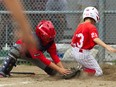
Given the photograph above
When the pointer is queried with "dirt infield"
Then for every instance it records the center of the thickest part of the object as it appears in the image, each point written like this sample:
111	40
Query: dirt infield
41	79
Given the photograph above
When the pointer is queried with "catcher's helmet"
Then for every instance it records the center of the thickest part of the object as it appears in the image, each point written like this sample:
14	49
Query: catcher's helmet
45	30
91	12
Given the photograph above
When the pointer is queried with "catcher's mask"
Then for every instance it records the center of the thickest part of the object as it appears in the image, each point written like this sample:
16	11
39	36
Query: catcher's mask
45	30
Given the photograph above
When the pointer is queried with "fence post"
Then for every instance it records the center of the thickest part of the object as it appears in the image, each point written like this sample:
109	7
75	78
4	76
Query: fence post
101	53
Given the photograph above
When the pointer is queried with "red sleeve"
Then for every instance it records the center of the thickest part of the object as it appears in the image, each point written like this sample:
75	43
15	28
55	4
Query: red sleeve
94	33
19	41
37	54
53	53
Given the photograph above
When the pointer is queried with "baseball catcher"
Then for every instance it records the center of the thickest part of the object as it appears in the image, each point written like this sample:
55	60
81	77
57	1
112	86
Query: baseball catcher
44	35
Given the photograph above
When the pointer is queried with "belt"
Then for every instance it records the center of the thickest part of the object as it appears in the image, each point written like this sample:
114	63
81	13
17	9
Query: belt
81	50
84	51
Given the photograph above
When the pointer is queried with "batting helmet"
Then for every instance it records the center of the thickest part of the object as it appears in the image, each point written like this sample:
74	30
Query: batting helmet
45	30
91	12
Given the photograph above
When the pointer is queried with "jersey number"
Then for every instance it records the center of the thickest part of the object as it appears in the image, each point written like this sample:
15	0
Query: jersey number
80	44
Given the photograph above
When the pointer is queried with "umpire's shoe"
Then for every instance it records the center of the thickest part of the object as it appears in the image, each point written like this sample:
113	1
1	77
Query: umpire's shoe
50	71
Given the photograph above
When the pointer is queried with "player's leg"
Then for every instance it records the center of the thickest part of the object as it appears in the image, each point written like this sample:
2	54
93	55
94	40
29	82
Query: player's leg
10	61
40	64
87	61
92	64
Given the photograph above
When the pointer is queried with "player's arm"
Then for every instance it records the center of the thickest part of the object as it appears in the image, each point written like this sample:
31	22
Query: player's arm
101	43
53	53
17	11
37	54
62	71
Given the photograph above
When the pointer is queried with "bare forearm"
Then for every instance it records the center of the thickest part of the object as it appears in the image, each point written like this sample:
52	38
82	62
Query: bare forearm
54	66
100	42
60	65
17	11
25	29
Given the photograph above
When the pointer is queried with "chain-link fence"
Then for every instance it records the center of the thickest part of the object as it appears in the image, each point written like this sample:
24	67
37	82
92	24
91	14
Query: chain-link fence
65	15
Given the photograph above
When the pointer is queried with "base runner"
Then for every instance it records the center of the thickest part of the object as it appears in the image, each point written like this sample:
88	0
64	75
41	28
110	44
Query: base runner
84	39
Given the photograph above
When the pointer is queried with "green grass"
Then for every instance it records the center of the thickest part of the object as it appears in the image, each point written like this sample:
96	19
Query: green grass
114	62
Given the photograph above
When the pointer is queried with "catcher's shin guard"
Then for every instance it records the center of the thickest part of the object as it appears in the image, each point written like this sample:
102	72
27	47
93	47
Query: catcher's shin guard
7	66
50	71
9	62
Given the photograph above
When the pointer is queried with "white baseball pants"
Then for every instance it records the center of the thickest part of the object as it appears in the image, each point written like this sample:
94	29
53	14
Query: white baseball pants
86	60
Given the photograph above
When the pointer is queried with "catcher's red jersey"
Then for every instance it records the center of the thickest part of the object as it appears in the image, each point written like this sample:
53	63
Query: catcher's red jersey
84	36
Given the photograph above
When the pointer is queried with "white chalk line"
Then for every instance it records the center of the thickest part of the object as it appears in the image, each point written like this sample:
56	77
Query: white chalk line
12	84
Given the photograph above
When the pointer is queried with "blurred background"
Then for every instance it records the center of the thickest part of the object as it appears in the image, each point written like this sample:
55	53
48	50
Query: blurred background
65	15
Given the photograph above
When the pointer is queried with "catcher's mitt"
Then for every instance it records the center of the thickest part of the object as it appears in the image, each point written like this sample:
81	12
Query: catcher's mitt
75	72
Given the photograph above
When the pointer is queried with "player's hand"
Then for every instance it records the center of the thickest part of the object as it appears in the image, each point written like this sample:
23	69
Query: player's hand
111	49
64	71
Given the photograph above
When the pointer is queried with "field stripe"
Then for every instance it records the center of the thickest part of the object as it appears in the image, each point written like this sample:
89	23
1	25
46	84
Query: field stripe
13	84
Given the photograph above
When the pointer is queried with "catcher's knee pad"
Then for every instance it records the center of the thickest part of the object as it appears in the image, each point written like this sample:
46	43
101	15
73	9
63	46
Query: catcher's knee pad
50	71
16	51
10	61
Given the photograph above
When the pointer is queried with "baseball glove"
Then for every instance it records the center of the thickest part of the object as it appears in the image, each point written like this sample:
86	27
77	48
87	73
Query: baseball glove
75	72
